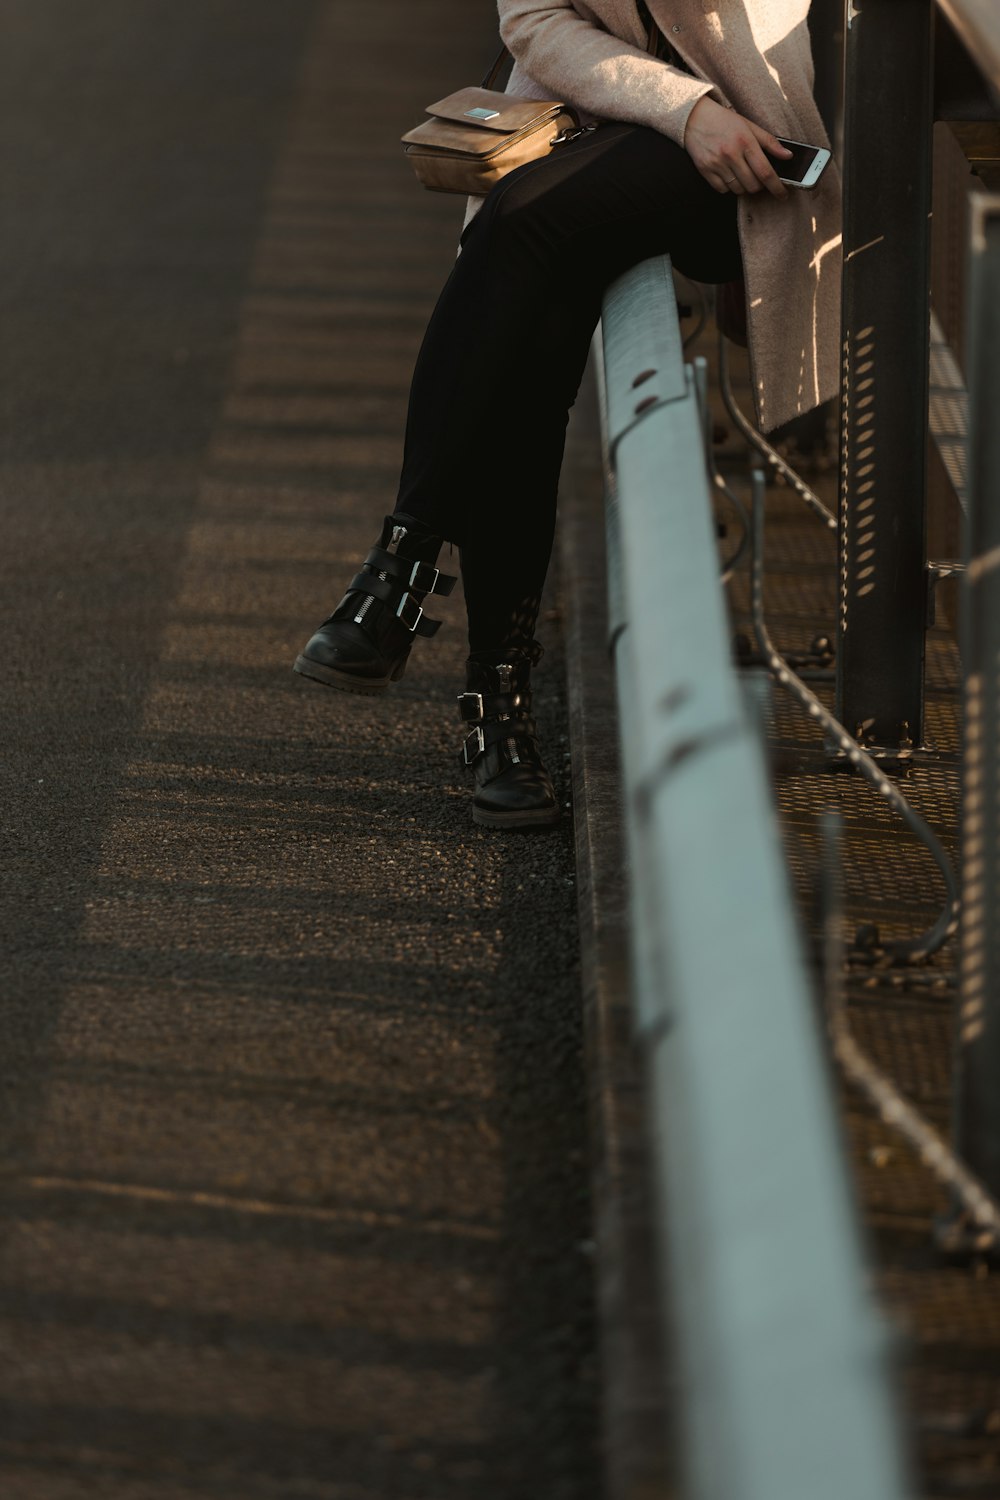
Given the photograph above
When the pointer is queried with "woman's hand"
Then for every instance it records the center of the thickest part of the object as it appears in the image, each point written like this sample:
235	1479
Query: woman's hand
727	150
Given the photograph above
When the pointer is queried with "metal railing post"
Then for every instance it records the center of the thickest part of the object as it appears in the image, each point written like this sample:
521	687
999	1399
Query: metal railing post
887	202
978	1042
826	28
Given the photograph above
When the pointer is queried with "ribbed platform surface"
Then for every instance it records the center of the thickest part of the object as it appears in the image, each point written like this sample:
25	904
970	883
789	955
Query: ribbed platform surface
293	1179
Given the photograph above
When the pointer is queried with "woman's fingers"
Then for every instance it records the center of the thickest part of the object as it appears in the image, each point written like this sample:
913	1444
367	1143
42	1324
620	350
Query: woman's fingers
723	180
760	164
770	142
748	173
745	175
729	175
764	173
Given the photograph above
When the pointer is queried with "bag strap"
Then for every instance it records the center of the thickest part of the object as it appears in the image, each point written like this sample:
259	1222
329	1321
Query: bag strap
652	46
496	69
653	33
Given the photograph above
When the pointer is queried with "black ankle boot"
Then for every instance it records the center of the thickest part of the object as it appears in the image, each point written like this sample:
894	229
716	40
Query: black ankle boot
364	644
513	788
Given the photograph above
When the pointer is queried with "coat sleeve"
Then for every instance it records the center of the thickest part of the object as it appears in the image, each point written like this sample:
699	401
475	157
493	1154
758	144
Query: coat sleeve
596	71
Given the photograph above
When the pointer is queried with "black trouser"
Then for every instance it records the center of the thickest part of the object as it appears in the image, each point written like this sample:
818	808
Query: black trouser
505	349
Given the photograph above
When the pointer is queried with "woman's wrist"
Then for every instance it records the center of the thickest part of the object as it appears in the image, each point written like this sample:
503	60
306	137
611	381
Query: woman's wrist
700	110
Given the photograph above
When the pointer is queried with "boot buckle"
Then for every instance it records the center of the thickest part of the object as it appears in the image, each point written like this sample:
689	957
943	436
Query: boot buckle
478	739
419	574
409	612
470	706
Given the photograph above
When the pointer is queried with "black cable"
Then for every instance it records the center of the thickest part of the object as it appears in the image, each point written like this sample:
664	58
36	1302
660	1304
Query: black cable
914	950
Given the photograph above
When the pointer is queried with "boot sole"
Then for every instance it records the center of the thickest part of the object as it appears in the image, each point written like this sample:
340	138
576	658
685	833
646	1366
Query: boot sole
539	818
366	687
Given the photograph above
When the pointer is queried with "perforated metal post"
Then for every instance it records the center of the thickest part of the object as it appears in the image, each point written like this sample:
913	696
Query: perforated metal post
978	1047
887	186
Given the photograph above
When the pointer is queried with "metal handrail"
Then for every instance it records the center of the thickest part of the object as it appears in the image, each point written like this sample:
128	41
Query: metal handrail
781	1355
977	23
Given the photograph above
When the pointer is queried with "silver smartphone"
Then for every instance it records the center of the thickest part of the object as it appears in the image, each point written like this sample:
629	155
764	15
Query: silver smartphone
804	167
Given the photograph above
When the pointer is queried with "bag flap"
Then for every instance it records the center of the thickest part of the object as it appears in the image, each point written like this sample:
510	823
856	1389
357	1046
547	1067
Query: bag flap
444	137
485	109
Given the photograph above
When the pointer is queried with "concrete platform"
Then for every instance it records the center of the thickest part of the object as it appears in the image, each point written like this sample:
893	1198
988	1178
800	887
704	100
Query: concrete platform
294	1188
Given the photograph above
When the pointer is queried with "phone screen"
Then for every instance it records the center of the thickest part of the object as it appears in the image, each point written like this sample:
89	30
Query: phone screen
794	168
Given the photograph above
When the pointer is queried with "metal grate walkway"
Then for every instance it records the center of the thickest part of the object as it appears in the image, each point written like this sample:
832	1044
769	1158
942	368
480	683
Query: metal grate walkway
947	1314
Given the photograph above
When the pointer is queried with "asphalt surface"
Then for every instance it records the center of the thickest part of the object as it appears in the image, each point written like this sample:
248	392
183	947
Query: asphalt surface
293	1178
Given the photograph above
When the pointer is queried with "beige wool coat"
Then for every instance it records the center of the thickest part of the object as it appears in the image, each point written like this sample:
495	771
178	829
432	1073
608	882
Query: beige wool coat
755	56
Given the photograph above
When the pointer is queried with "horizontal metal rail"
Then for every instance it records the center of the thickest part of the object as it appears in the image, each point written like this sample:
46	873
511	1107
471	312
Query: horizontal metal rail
781	1355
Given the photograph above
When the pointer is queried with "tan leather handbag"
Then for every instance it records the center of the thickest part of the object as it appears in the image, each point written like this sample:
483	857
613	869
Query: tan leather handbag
473	138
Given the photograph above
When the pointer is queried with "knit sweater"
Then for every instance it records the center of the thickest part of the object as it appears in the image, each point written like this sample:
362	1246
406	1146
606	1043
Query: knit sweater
755	56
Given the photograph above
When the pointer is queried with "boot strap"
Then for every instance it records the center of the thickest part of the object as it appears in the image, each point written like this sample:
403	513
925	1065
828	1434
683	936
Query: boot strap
409	612
492	731
476	706
421	576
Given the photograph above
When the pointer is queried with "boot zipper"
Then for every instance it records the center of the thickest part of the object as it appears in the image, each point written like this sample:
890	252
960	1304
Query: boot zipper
398	533
505	670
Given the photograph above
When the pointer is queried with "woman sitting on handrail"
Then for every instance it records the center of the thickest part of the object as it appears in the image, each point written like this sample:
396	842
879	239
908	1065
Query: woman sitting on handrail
689	97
